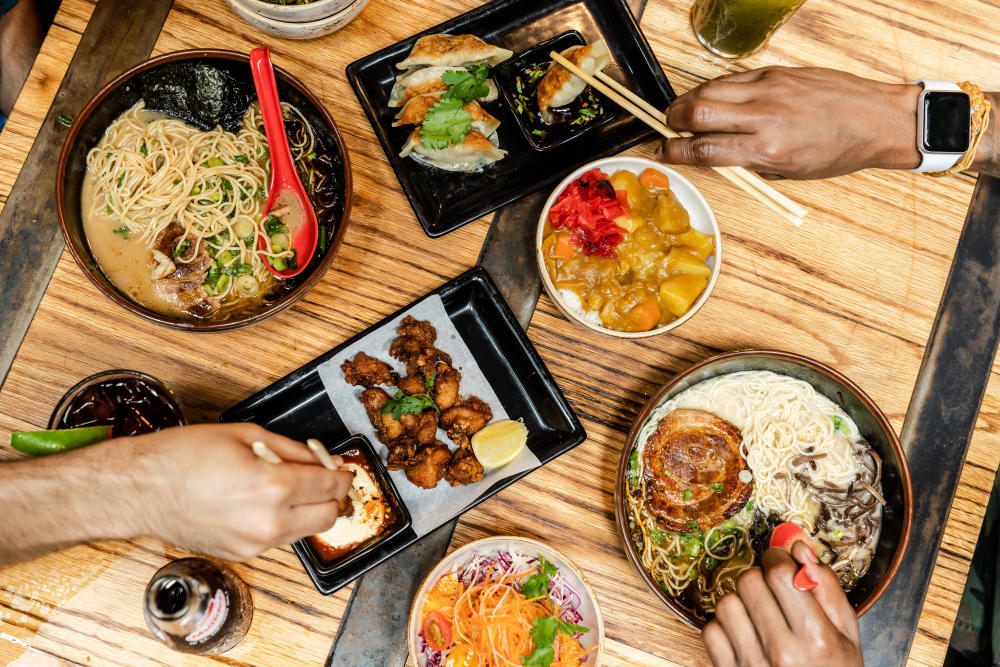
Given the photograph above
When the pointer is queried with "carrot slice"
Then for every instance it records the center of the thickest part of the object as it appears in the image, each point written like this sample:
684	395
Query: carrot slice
653	178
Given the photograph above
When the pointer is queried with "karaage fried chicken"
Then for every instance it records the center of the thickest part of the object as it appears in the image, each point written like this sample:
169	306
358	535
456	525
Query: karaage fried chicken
420	330
387	429
463	420
423	427
446	381
464	468
421	361
413	384
367	371
401	452
429	464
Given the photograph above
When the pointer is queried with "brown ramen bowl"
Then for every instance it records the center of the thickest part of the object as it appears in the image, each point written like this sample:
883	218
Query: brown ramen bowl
120	94
873	425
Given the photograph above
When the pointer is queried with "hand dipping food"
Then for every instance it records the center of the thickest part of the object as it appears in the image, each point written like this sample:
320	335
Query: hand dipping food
621	252
369	517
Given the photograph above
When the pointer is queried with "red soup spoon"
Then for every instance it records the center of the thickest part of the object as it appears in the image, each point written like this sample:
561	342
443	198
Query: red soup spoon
286	193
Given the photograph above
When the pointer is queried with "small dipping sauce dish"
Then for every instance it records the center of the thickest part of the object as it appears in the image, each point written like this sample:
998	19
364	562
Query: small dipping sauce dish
130	402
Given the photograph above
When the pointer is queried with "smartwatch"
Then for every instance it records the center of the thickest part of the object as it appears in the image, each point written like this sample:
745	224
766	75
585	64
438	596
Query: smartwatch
944	114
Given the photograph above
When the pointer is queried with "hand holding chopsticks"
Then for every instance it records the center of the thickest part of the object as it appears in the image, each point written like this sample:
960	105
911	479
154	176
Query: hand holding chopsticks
750	183
264	452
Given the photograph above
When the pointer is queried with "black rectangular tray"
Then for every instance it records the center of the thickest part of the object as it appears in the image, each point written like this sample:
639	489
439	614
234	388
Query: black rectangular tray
444	201
298	406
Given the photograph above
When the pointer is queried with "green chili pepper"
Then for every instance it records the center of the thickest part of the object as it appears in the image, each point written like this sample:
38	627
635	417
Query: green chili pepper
64	120
42	443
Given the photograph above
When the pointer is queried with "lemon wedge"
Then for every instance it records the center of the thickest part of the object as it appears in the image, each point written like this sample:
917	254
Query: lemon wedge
499	443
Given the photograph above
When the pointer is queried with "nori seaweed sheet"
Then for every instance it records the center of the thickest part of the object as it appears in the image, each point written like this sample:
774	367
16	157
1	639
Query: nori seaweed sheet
200	94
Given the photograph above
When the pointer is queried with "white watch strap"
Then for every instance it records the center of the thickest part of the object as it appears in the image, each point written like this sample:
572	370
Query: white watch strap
933	162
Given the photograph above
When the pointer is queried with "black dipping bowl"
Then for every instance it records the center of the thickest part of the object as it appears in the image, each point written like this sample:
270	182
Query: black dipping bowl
897	516
120	94
316	565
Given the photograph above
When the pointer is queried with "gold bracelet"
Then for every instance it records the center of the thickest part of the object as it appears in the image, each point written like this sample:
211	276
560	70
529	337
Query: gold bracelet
980	123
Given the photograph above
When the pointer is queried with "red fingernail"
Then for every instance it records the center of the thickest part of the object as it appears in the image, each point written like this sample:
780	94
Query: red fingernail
802	582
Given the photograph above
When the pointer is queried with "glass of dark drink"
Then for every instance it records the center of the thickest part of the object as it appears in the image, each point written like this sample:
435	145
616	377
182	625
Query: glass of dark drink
130	402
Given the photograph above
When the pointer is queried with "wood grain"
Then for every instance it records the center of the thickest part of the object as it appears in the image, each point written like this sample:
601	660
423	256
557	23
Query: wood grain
856	287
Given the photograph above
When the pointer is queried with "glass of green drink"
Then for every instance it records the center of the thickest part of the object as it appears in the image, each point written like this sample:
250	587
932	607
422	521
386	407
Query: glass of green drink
738	28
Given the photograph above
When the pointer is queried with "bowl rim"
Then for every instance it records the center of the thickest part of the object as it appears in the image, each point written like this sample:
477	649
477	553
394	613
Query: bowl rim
256	5
621	519
411	638
202	325
279	24
550	287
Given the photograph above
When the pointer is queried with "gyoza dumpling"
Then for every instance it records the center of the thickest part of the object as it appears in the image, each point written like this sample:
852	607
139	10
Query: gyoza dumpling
417	107
428	80
560	86
443	49
474	153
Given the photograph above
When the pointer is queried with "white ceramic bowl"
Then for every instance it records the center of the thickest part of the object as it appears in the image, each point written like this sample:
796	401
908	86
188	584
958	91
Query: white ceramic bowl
491	546
314	11
702	219
306	30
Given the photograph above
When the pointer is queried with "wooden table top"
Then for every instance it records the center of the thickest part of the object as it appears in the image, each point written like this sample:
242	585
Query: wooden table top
856	287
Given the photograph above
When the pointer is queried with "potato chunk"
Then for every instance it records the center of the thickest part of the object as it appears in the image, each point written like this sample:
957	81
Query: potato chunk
678	293
670	216
629	183
700	245
681	261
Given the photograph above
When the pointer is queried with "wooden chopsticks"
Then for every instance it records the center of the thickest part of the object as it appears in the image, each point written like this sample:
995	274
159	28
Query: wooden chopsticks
316	447
750	183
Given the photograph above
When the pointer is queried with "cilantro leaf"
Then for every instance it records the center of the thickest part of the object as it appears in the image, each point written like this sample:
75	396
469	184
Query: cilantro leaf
429	381
537	584
570	629
445	123
543	633
466	86
401	404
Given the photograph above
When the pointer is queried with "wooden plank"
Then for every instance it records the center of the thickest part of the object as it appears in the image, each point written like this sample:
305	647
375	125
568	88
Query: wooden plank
856	287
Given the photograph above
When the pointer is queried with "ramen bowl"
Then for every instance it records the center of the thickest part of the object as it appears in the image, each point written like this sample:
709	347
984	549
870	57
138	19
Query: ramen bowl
489	548
702	219
120	94
897	514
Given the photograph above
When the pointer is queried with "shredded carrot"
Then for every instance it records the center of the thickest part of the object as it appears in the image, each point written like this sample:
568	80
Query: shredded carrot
495	620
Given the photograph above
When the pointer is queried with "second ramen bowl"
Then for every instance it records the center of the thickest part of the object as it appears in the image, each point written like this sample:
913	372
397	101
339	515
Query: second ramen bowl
873	425
119	95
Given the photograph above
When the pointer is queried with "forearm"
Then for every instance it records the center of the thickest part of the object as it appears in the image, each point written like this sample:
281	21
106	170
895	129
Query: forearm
988	156
57	501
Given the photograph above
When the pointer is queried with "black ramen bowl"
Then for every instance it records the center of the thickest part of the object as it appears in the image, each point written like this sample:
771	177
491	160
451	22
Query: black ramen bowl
228	97
897	515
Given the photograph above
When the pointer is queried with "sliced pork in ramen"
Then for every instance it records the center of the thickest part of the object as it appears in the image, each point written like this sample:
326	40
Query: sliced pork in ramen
692	471
179	271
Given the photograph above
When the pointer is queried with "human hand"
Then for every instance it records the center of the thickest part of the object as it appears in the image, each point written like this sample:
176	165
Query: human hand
800	123
203	489
768	622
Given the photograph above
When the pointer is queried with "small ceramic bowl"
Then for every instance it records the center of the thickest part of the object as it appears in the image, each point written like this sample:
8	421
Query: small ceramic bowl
300	30
490	547
312	11
702	219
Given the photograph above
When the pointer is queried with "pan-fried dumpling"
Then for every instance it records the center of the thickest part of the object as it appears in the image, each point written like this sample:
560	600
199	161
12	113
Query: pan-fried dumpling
444	50
560	86
428	80
417	107
474	153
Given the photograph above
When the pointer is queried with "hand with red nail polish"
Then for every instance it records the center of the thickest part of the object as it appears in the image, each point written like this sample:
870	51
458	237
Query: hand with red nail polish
769	621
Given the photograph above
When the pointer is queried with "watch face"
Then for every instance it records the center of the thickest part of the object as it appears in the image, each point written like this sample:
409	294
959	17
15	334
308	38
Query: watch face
946	122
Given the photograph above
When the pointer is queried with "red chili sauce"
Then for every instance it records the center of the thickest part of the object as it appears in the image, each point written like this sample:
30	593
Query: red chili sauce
130	406
328	552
